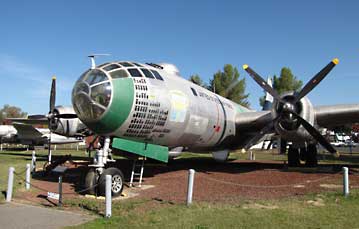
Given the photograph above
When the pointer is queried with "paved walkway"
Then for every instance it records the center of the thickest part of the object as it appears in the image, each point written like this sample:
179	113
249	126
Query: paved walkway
15	215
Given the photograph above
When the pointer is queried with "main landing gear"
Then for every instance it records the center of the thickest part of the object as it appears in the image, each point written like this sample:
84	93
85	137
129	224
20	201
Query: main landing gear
307	154
95	180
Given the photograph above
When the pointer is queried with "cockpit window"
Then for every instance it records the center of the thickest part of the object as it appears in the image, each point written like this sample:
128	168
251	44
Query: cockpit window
92	95
134	72
111	67
82	77
95	76
157	75
138	65
126	64
122	73
147	73
101	94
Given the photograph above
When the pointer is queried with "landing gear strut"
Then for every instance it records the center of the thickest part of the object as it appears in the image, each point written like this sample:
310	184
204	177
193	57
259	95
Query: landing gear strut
307	154
95	180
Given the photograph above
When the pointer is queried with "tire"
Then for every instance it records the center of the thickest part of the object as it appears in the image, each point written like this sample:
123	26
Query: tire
293	157
91	181
117	181
312	160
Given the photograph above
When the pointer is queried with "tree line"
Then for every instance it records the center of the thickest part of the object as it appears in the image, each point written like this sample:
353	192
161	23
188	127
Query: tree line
229	84
9	111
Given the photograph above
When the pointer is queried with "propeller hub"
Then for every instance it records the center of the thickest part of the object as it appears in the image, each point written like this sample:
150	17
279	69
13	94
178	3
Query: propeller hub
288	107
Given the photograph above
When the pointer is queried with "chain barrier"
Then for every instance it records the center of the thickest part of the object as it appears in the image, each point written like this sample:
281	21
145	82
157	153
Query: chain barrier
20	173
266	186
64	193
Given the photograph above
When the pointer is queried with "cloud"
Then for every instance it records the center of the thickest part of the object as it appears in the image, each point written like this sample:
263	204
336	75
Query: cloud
12	67
32	83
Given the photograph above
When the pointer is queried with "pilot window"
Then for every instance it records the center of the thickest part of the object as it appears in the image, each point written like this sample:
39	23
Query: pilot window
126	64
194	92
138	65
111	67
122	73
147	73
157	75
134	72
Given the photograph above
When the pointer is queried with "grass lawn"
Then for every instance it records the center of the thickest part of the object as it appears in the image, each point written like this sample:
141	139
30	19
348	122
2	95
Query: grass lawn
327	210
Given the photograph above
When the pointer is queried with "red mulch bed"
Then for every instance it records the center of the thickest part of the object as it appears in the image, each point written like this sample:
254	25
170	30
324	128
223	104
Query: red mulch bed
214	182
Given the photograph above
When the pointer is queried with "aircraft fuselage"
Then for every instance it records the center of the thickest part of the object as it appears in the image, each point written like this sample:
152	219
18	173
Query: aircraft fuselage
166	110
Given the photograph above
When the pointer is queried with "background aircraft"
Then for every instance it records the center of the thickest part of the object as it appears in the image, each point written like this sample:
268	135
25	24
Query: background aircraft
150	110
24	134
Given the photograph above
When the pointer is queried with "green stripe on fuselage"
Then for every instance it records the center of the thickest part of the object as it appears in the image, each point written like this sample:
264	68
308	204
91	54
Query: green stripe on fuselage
119	109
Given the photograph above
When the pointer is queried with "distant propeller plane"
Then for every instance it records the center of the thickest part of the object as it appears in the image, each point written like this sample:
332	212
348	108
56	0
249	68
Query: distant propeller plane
150	110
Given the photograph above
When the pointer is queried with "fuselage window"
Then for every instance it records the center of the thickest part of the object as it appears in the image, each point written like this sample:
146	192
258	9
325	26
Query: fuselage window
126	64
122	73
95	76
134	72
147	73
194	92
157	75
137	64
111	67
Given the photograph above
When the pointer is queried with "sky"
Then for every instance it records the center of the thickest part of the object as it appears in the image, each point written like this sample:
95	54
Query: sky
40	39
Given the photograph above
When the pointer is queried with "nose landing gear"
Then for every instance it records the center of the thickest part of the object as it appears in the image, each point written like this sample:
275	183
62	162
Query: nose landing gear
95	180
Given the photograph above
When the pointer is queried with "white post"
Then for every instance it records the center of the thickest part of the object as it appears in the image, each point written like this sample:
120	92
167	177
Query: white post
250	156
1	146
10	184
253	156
108	200
33	162
190	186
345	181
49	156
27	177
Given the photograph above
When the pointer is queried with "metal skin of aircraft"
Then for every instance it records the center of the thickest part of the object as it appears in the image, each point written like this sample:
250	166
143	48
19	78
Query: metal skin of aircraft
149	110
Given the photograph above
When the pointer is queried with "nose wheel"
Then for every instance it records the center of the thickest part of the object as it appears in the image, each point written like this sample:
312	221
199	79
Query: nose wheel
95	183
91	181
117	181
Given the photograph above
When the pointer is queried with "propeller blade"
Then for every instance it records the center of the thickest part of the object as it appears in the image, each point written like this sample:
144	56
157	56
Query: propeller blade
263	132
65	116
262	82
53	94
33	117
316	80
315	133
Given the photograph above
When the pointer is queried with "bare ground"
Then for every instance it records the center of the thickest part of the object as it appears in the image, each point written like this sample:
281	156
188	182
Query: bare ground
214	182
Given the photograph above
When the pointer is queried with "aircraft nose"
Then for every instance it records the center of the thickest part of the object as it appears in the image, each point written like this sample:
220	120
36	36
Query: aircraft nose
91	95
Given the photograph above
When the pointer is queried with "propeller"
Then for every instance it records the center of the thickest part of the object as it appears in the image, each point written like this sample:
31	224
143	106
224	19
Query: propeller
288	107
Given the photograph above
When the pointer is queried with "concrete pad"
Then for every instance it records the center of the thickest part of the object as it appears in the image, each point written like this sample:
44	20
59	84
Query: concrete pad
16	215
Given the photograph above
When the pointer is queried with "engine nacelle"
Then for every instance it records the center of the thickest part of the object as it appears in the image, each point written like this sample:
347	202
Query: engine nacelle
287	126
67	127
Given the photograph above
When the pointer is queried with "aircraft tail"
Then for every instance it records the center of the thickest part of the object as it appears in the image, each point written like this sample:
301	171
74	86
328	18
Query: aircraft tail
269	98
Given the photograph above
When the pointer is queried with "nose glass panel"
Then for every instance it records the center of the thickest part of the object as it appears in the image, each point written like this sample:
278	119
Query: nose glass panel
92	95
101	94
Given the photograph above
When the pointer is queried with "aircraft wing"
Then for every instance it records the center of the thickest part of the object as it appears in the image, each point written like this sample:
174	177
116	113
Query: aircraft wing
27	131
336	115
42	121
250	124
